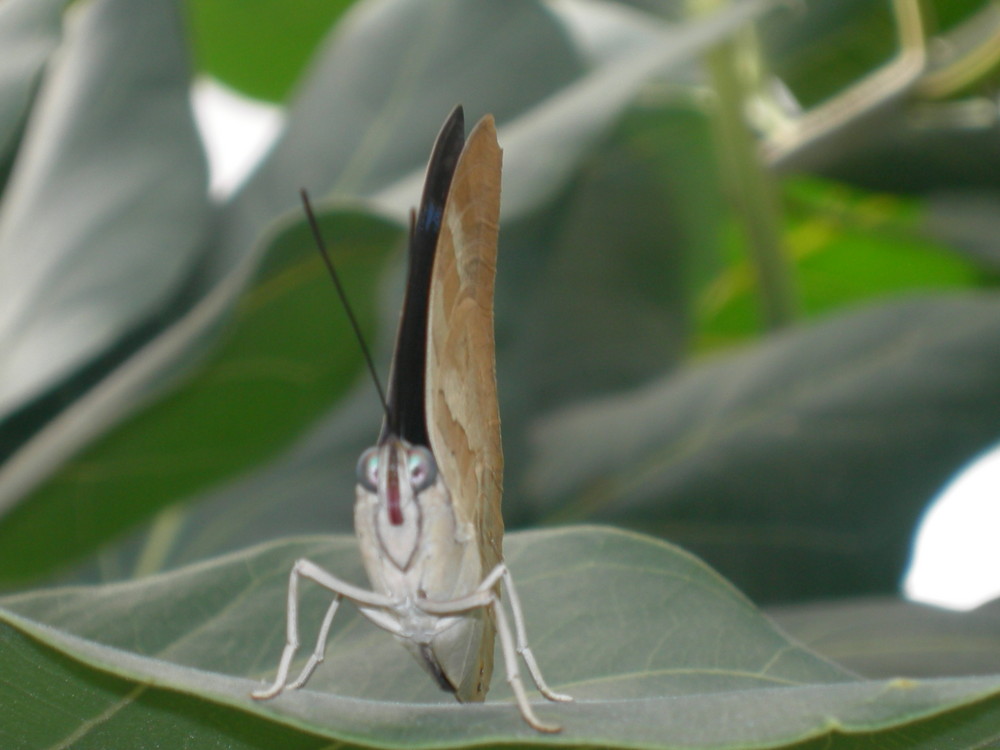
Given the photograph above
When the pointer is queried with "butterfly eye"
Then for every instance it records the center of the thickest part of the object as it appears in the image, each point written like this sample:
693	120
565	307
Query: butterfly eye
367	470
422	468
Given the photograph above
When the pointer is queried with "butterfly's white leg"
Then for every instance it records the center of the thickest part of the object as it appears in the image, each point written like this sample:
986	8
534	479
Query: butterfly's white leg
341	589
383	619
483	596
522	639
513	673
319	652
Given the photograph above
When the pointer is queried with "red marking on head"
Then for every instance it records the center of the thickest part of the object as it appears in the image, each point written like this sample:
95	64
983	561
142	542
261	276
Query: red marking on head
392	489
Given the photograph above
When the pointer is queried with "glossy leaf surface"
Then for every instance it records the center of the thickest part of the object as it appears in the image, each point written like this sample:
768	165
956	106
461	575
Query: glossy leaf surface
693	649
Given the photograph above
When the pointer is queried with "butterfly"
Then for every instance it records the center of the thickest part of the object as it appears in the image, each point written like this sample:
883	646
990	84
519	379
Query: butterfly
427	503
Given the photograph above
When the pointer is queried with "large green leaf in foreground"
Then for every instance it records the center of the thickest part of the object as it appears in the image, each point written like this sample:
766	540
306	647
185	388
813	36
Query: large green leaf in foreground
658	650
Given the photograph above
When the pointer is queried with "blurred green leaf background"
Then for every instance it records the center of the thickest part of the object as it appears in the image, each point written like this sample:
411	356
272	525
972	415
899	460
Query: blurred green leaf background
746	304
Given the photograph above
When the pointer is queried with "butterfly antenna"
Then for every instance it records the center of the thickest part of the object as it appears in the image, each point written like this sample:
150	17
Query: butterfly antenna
314	225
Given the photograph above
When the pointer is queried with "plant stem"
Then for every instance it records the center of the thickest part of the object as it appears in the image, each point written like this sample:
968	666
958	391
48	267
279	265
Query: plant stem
752	191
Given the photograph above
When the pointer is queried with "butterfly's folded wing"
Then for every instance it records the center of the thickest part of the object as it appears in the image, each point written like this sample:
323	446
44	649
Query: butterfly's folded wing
463	416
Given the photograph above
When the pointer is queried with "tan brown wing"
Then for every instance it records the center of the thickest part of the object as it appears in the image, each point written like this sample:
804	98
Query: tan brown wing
463	417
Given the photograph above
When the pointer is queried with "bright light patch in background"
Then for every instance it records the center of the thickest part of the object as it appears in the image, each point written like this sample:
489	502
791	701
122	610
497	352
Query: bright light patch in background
236	131
956	559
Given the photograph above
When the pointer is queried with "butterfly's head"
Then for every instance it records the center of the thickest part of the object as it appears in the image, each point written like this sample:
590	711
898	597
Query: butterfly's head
393	474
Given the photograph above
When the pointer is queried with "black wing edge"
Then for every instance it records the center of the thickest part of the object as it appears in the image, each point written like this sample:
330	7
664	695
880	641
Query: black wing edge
406	417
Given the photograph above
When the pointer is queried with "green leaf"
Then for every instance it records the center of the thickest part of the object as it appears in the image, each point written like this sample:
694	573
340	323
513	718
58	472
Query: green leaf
592	292
652	643
572	121
259	48
821	53
848	246
596	285
967	221
366	113
99	710
99	229
386	76
29	31
287	356
885	637
948	13
798	467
